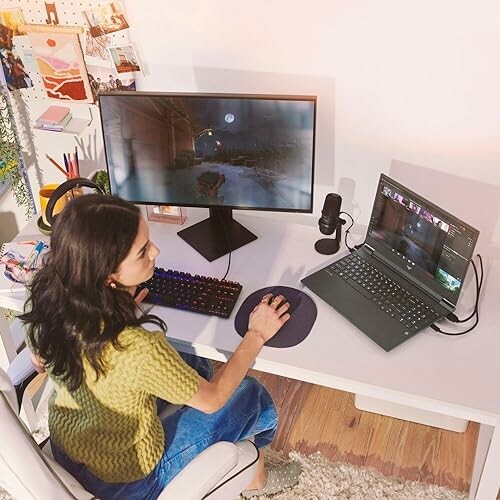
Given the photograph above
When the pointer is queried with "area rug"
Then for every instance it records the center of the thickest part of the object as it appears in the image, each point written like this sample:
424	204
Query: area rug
325	480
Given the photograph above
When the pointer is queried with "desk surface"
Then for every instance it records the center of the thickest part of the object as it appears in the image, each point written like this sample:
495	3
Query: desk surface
454	375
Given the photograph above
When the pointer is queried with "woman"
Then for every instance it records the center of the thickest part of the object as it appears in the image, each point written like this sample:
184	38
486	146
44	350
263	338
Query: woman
112	376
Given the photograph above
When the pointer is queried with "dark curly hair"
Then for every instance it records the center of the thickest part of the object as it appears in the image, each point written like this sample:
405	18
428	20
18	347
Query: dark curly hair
71	313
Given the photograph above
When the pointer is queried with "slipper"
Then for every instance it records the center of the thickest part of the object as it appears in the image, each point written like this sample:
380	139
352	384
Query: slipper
278	478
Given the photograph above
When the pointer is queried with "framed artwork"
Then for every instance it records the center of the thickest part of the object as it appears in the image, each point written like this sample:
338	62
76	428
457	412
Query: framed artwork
59	56
166	213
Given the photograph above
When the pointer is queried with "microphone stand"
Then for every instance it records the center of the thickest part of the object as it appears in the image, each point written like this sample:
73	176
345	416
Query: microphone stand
329	246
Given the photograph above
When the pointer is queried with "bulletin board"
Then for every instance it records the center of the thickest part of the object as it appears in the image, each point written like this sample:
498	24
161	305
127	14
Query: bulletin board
98	48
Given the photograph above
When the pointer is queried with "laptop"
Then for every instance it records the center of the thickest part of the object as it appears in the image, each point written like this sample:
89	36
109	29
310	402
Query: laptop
406	275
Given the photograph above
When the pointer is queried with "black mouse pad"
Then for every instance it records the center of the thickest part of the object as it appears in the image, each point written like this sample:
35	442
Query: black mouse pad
303	314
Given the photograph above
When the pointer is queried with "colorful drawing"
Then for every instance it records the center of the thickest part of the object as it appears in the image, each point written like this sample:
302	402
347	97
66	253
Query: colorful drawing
105	19
124	58
12	19
60	62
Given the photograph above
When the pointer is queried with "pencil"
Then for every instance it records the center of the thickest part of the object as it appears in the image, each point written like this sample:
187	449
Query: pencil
56	164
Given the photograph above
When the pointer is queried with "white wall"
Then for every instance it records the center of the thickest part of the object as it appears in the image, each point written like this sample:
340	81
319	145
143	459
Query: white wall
417	82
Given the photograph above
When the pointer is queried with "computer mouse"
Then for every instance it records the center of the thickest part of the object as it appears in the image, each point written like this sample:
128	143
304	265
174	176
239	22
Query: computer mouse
302	311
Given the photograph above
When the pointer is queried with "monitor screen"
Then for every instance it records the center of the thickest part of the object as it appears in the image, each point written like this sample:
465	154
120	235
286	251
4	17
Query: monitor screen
210	150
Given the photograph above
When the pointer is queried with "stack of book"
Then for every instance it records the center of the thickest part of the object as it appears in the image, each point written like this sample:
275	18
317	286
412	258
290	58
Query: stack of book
54	118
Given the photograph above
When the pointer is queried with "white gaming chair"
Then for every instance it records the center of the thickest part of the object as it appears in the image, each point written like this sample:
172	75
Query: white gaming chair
220	472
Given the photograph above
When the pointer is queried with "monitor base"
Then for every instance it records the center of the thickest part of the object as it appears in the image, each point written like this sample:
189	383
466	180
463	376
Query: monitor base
217	235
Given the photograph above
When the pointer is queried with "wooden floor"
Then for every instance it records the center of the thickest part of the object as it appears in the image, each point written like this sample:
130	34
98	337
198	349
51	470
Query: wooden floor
314	418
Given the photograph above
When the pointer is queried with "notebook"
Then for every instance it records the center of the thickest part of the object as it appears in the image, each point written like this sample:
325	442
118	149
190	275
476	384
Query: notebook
407	274
19	260
53	115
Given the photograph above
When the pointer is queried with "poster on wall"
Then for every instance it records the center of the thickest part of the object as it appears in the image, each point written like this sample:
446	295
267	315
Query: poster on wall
60	62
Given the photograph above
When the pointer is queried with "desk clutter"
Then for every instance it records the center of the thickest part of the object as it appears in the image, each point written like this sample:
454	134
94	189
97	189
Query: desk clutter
19	260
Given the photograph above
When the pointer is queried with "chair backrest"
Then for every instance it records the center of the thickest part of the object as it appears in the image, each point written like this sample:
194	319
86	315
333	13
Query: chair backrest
25	472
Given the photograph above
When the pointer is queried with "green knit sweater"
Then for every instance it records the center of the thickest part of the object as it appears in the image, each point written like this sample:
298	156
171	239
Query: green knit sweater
111	425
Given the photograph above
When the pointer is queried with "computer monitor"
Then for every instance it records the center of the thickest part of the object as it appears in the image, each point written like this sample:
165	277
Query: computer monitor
220	151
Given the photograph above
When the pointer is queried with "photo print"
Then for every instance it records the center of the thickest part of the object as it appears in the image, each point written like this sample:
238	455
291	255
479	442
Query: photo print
13	20
16	75
60	62
97	48
104	78
124	58
105	19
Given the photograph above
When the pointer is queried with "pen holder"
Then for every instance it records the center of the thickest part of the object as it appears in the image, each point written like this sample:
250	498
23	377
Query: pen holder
65	192
45	193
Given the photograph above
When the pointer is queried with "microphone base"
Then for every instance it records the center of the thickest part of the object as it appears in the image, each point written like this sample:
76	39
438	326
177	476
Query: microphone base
327	246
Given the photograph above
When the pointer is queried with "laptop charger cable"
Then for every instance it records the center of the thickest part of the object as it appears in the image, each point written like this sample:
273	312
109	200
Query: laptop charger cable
475	313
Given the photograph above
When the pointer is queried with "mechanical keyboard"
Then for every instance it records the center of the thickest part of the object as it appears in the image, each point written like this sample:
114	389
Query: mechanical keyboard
386	293
200	294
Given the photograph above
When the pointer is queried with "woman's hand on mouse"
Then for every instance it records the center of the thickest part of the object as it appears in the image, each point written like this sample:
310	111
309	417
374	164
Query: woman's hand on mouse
268	316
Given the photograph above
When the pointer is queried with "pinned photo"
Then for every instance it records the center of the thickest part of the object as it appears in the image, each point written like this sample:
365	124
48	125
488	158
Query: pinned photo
12	19
15	73
124	58
104	78
6	35
105	19
97	49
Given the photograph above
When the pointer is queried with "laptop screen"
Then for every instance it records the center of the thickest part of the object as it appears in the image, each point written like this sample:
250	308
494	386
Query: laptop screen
422	239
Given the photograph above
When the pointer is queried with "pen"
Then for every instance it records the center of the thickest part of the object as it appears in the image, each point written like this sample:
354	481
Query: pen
66	164
56	164
77	163
34	255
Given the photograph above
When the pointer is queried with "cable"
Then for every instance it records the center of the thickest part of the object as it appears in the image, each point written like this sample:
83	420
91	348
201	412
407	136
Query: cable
452	317
227	237
347	231
228	264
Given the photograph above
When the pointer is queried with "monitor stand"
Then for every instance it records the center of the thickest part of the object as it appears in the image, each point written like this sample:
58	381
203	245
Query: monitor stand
217	235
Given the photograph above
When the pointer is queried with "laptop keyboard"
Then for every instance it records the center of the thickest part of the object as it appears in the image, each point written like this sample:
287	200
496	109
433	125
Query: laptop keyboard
387	294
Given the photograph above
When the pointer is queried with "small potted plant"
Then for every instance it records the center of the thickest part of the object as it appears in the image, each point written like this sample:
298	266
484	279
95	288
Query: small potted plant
101	178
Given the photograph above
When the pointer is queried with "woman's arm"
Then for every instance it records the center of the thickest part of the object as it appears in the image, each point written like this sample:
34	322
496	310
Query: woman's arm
264	322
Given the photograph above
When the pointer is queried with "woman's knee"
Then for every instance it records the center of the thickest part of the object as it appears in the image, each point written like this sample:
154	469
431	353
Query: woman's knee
258	395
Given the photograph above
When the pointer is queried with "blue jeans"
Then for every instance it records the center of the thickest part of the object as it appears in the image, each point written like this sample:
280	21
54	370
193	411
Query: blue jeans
249	413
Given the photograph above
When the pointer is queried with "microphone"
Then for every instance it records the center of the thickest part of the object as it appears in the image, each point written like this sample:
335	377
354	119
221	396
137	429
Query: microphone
329	222
330	213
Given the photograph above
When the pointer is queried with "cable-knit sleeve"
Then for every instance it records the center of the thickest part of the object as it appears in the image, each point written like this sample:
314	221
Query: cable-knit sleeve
163	372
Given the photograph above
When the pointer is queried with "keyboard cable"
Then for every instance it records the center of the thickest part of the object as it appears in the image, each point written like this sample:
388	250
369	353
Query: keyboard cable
475	313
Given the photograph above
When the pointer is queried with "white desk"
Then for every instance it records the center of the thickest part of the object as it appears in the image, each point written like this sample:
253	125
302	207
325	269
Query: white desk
448	375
